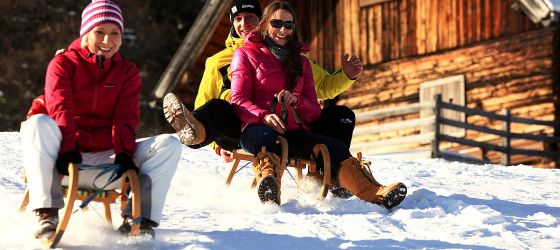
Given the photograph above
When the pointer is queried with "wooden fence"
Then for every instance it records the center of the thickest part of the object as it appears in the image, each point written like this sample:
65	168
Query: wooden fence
506	149
436	137
361	131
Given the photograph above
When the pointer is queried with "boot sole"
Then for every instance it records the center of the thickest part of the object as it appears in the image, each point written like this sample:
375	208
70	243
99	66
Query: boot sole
179	118
268	190
173	111
394	197
341	193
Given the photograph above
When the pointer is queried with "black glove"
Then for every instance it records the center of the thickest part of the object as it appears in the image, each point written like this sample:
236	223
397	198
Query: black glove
65	158
125	160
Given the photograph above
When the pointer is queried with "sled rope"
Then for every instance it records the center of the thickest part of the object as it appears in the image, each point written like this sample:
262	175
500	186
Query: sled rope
113	168
242	167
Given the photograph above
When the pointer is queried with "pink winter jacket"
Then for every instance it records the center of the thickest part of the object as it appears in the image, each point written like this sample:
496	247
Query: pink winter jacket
96	105
257	75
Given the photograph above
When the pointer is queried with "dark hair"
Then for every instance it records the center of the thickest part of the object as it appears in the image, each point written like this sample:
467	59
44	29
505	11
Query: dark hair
292	65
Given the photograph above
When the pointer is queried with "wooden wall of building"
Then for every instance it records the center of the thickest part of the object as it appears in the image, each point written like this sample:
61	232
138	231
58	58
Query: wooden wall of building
515	72
403	28
387	31
391	30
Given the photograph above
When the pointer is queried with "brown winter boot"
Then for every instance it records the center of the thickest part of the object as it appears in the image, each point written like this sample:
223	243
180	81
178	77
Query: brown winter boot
361	183
48	221
268	174
189	129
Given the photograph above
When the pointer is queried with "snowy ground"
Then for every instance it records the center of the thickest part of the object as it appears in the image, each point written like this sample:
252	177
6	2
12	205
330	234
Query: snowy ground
450	206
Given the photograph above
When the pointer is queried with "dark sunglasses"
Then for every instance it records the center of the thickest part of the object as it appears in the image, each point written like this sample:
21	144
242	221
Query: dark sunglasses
275	23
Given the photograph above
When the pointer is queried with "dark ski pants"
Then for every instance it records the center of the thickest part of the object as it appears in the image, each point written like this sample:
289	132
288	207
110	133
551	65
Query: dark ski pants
300	143
223	126
337	122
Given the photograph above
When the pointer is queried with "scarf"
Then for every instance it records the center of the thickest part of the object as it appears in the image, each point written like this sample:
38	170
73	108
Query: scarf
279	51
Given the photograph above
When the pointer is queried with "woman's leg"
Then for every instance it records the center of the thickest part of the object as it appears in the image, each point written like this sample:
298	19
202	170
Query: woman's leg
157	158
260	140
41	139
254	137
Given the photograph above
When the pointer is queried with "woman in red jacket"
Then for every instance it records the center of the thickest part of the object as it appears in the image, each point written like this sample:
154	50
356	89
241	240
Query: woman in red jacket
89	114
269	69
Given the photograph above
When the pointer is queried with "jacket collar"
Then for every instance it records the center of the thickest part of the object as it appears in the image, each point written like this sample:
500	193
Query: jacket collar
84	53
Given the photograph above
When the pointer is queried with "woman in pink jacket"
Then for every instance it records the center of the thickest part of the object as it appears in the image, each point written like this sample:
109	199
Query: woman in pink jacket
269	70
89	115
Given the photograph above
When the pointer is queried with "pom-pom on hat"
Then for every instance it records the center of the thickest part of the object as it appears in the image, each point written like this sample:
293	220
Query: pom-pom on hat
238	6
99	12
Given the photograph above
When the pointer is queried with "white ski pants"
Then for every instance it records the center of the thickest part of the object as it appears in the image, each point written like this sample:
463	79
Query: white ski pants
156	157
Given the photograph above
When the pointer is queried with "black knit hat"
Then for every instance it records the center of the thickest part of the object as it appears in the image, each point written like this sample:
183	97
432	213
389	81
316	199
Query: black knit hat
238	6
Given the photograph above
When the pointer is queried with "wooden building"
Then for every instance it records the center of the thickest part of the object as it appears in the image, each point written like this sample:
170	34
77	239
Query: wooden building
485	54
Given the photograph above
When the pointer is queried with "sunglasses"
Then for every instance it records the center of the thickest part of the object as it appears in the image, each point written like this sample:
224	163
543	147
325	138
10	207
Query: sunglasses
277	24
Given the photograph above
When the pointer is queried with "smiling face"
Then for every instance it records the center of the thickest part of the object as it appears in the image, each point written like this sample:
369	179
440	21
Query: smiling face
103	40
280	35
244	23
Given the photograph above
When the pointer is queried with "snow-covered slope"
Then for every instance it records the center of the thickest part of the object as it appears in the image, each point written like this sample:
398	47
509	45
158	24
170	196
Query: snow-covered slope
450	205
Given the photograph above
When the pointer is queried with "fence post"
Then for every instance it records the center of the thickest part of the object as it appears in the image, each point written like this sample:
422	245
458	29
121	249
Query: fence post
506	141
437	111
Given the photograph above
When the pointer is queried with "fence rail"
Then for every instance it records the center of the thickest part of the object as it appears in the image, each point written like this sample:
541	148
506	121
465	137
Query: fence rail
436	137
425	138
506	149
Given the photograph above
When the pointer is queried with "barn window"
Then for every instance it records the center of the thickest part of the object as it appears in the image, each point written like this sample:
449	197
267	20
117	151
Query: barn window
452	90
366	3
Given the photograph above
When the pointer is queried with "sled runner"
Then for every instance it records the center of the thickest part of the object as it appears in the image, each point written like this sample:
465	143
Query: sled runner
298	164
129	184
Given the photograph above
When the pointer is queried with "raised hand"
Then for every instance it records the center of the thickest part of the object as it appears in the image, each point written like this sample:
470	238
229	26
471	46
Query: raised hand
352	66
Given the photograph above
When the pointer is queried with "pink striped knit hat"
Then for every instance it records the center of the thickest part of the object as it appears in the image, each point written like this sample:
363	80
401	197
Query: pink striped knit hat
99	12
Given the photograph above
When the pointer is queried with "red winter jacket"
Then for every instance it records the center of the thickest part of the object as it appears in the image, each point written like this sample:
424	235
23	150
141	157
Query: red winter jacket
257	75
95	104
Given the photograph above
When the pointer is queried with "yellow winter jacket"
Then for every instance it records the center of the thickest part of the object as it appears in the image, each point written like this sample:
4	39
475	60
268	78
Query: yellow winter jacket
327	85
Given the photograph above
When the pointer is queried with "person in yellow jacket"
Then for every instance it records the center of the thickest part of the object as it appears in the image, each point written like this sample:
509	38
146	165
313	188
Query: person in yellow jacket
213	119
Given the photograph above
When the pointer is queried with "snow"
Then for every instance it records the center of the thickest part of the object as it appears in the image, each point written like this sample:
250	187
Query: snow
450	205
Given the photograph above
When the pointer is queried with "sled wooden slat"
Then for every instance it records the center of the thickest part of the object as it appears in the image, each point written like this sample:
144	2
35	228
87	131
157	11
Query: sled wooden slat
298	164
73	177
129	182
134	185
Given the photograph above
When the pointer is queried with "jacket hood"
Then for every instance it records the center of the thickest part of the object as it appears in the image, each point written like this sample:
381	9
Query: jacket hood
254	39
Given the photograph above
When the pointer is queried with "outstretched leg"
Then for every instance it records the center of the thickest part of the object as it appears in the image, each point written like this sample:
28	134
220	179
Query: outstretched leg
362	184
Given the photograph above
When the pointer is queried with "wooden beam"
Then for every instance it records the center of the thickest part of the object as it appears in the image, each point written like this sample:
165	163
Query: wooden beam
189	51
394	111
366	3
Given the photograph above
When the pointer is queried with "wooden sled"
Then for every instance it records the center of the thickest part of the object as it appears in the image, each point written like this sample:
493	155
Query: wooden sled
298	164
128	180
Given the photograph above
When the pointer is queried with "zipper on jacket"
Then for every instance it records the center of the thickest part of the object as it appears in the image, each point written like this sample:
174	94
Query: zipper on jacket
100	60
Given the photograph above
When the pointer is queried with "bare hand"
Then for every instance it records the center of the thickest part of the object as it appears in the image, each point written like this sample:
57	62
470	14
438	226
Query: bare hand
274	122
352	67
288	96
226	155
